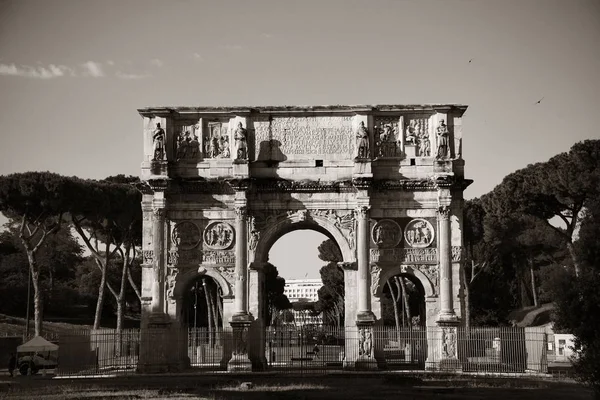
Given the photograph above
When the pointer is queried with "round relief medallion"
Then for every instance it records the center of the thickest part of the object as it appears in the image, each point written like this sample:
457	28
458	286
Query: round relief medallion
218	235
419	233
186	235
386	233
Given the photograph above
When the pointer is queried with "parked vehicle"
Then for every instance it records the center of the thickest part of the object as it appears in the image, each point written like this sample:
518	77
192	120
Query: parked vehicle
35	362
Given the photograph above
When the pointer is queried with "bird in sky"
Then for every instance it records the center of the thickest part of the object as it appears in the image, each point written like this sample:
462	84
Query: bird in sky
539	101
471	60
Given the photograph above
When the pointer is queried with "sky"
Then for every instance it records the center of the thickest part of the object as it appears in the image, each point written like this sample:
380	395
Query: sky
74	72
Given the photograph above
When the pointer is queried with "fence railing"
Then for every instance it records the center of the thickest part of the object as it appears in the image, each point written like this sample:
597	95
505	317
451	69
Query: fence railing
306	348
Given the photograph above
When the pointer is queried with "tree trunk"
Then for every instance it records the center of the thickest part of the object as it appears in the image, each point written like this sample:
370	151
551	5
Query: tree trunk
213	307
219	298
395	304
120	299
467	297
208	312
533	285
100	301
573	255
405	300
38	303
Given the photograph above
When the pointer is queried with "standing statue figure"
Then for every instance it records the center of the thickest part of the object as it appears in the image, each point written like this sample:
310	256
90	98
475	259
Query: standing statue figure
443	140
361	343
362	141
225	153
412	132
194	146
241	146
214	146
424	145
182	145
368	344
158	138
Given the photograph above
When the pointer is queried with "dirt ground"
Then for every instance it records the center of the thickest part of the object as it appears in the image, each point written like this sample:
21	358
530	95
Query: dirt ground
287	387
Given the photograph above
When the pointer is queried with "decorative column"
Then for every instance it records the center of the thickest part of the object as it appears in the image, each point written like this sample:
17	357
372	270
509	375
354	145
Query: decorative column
241	263
158	238
446	337
241	319
364	274
365	318
446	303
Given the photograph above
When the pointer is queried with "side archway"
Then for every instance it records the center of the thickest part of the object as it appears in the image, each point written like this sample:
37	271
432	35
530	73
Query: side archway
385	273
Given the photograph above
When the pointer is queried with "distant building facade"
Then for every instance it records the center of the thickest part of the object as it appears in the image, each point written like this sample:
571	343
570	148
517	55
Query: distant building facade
303	290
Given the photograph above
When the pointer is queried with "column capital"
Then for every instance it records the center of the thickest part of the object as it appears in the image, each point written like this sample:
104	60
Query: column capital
443	212
241	212
362	211
159	212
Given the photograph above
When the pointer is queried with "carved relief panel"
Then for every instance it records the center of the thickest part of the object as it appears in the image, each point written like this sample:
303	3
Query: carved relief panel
218	235
217	141
387	137
386	233
449	342
419	233
187	143
185	235
416	133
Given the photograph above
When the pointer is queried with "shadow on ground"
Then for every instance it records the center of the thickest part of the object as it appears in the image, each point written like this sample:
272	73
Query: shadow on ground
289	387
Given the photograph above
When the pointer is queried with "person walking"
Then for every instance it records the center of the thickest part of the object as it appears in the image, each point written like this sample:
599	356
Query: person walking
12	363
316	351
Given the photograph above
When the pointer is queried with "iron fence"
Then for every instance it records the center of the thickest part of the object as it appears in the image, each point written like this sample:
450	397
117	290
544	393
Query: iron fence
308	348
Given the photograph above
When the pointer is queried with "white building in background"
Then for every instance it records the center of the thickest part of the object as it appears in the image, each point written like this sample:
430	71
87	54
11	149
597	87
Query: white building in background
303	290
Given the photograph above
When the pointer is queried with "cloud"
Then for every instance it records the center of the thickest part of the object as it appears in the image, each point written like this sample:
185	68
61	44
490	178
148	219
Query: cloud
89	69
157	62
40	72
267	35
125	75
232	47
93	69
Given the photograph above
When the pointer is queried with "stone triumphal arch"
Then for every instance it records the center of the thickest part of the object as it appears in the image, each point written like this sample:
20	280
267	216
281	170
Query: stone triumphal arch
222	184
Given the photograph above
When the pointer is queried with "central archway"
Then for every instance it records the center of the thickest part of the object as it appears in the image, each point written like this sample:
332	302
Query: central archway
307	220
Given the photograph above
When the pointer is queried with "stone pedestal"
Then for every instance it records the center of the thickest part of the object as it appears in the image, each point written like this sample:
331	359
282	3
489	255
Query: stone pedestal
257	298
239	356
410	150
366	346
160	349
159	168
241	169
362	168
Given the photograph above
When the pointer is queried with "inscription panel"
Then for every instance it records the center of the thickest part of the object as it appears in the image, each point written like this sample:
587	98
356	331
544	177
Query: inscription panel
311	135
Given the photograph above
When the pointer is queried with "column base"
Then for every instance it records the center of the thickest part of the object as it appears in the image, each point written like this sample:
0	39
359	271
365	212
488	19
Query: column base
447	319
241	318
239	363
364	363
365	318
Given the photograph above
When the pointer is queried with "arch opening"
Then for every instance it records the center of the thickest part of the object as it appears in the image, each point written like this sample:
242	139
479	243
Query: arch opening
403	302
203	303
315	288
